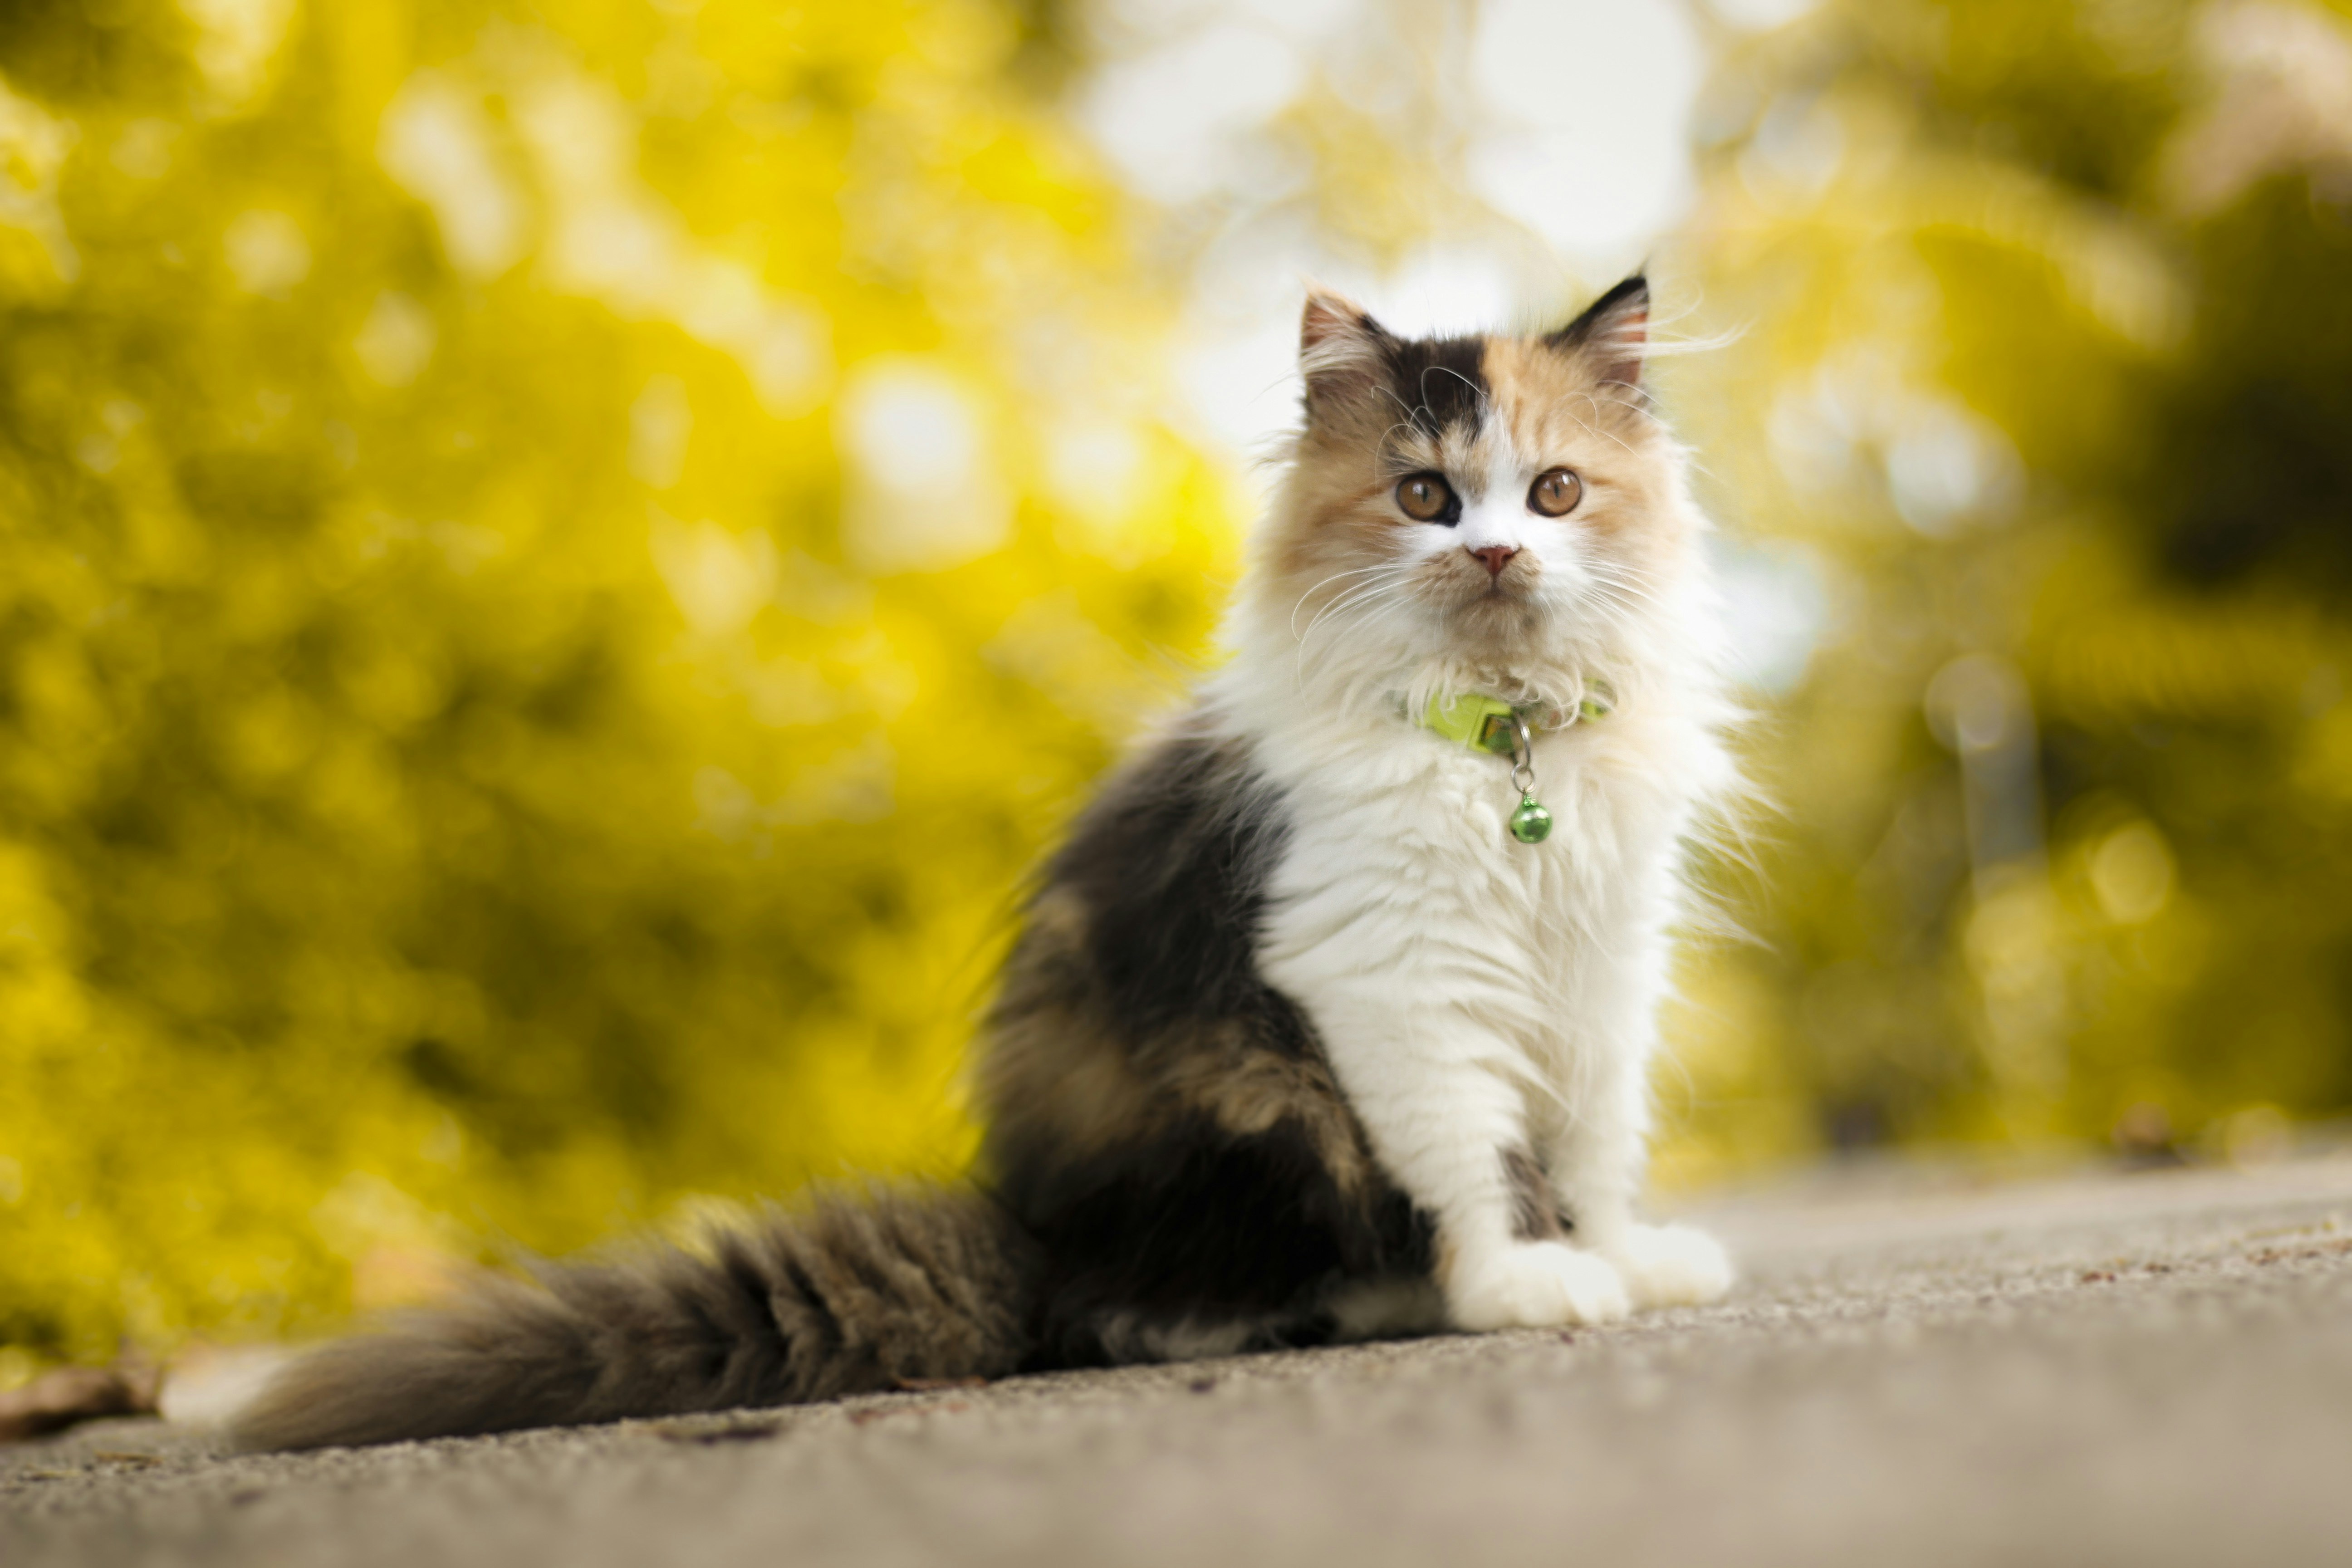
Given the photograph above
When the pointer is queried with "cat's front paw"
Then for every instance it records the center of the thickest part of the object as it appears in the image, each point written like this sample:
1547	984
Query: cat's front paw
1535	1285
1672	1266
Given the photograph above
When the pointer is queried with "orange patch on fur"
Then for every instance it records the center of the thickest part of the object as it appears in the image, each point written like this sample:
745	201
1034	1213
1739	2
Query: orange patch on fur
1560	411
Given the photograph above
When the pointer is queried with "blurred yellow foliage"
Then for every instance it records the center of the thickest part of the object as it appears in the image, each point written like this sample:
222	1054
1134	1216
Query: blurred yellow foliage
554	569
2045	367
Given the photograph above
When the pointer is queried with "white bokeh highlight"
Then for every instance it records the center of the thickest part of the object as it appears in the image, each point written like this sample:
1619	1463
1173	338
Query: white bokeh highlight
923	493
1591	101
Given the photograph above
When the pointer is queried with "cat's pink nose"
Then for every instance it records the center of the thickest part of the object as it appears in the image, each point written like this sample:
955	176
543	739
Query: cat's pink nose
1496	557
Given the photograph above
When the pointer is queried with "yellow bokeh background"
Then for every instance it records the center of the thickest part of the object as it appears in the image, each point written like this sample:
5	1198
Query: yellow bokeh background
558	563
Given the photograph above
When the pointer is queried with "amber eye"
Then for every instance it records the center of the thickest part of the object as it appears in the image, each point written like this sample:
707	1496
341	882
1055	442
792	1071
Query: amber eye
1427	498
1554	494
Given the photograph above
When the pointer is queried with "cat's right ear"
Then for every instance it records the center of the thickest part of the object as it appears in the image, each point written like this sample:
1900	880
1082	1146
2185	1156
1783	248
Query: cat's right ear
1342	354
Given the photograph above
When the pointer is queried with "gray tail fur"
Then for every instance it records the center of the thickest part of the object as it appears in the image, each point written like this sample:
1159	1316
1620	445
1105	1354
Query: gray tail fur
861	1293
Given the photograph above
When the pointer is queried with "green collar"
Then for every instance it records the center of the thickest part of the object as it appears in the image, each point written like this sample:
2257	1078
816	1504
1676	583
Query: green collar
1482	724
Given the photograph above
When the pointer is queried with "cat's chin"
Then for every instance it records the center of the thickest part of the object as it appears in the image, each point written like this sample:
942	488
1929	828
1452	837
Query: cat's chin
1510	630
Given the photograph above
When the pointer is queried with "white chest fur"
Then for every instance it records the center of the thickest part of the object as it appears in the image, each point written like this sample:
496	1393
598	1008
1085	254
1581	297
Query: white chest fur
1400	874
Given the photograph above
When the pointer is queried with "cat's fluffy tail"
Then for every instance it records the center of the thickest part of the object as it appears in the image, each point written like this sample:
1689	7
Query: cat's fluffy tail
862	1292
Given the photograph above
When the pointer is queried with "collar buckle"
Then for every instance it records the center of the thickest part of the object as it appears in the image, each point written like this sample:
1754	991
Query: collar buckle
1486	723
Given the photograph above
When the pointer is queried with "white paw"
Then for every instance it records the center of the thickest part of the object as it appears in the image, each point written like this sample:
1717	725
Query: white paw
1672	1266
1535	1285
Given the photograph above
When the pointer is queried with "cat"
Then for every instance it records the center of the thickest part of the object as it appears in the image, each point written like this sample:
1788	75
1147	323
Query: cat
1332	1017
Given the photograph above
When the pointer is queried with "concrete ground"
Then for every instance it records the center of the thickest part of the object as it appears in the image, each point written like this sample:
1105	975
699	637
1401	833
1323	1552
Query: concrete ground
2139	1369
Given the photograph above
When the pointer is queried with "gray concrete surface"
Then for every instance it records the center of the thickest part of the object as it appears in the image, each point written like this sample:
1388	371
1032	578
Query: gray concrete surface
2099	1369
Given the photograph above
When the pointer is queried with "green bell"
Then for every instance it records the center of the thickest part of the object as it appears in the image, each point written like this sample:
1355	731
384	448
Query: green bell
1531	824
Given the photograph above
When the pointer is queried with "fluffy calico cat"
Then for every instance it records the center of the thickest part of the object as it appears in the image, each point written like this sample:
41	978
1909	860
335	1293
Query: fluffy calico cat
1333	1016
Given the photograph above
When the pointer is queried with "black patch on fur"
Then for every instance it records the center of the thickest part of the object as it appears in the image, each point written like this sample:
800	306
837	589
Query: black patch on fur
1178	1220
1197	1227
1438	383
1432	385
1172	863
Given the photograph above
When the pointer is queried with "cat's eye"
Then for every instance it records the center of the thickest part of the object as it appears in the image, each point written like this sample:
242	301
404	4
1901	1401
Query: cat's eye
1427	498
1556	493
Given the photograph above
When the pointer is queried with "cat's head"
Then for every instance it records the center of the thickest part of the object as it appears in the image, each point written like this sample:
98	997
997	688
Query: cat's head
1493	502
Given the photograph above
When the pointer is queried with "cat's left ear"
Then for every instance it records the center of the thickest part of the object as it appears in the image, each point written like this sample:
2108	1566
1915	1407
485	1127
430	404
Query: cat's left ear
1614	332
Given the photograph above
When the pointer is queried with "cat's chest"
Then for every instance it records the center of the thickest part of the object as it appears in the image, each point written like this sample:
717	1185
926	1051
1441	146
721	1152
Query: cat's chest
1423	831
